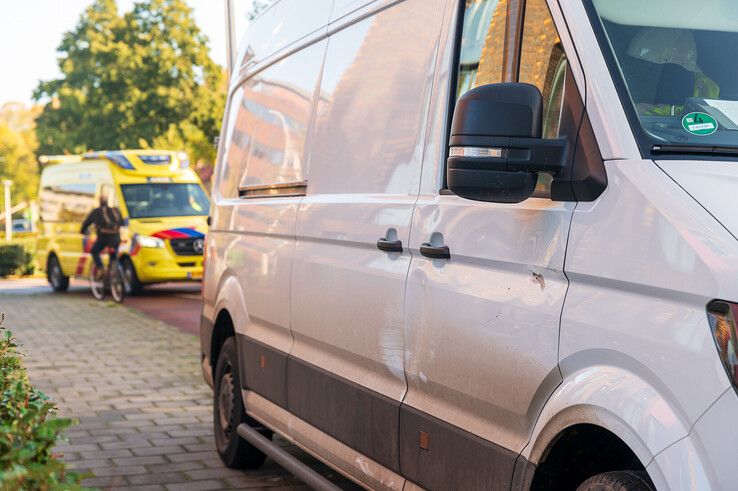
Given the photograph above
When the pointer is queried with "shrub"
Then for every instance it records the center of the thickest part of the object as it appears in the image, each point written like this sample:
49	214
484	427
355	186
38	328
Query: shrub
14	259
28	429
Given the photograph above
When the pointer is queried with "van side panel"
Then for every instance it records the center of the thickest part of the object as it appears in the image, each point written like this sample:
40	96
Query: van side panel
269	121
641	279
363	180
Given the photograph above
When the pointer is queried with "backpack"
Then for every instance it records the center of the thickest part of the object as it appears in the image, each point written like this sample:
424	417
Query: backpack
110	219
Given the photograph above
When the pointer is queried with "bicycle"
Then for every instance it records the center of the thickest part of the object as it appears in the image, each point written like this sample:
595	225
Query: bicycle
111	279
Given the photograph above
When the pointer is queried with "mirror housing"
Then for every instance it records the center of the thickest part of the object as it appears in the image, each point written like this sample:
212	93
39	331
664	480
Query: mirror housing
496	146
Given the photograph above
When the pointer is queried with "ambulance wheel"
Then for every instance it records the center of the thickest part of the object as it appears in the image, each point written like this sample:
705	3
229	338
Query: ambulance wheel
54	274
130	278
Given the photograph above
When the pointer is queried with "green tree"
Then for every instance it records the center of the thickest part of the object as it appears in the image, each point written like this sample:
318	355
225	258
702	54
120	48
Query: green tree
17	150
131	81
84	109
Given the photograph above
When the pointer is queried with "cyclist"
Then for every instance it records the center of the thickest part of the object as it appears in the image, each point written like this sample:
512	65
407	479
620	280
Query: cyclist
107	220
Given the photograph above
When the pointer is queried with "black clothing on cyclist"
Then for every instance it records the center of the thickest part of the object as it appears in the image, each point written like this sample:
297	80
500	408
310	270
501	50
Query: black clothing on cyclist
107	221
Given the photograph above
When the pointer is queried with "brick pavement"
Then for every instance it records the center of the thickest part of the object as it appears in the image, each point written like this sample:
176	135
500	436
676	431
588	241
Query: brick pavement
135	385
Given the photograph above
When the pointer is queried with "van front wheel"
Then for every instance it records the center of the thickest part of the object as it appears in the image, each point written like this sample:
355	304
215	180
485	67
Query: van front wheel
55	275
617	481
130	279
229	412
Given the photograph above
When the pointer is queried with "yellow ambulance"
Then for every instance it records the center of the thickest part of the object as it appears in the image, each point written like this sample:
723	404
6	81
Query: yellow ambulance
163	203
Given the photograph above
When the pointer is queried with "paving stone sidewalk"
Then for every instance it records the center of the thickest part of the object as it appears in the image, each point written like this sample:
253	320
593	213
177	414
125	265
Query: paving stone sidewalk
135	385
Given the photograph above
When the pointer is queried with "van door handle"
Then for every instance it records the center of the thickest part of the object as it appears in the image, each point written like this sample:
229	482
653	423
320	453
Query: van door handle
435	252
389	245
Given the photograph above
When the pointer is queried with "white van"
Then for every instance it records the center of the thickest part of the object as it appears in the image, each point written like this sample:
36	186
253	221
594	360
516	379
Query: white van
480	244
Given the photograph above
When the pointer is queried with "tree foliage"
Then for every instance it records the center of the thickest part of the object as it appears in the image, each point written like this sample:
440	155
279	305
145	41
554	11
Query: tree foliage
133	80
17	149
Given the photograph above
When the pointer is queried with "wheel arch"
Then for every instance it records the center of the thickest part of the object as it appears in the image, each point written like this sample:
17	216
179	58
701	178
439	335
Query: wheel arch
616	393
611	402
230	316
222	330
576	453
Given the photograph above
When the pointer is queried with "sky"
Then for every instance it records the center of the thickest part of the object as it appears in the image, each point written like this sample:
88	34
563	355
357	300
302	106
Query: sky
31	30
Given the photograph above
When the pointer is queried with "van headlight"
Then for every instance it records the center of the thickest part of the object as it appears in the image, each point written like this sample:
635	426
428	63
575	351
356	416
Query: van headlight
150	242
722	316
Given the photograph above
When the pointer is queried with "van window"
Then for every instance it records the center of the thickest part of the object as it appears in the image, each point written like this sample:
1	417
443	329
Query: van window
674	65
268	124
543	64
67	202
482	44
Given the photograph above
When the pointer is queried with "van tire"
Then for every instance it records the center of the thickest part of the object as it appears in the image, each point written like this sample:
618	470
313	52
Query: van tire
55	276
618	481
131	282
229	412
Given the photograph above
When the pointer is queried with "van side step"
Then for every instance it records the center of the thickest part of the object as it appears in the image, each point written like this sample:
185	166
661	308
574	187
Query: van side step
285	459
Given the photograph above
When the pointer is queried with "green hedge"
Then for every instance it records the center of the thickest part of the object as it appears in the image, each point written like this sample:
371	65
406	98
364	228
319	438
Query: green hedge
15	259
28	429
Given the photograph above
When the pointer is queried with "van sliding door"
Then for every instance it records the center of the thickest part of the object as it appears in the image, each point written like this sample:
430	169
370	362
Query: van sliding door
346	370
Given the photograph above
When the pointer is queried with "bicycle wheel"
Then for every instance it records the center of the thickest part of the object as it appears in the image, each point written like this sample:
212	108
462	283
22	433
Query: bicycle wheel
117	282
97	285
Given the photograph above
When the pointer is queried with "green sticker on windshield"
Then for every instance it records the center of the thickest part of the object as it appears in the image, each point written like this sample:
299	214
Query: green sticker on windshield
700	124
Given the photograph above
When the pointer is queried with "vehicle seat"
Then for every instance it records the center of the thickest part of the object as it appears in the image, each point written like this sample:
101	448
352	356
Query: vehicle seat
676	84
642	78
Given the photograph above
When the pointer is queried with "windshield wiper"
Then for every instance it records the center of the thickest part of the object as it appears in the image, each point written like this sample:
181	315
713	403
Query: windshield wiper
696	149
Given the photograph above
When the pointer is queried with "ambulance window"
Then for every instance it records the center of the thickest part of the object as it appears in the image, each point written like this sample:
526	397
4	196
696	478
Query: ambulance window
482	44
543	64
67	202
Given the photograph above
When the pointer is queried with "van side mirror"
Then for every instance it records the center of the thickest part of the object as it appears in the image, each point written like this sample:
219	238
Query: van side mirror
496	145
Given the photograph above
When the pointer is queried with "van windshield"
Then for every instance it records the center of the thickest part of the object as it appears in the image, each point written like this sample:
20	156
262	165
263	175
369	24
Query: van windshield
675	61
164	200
